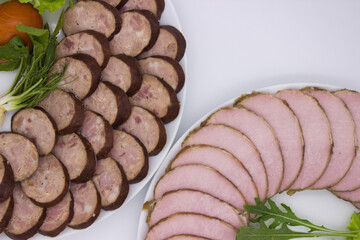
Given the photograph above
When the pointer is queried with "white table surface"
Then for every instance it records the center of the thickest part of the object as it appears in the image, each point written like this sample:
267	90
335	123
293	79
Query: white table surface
235	46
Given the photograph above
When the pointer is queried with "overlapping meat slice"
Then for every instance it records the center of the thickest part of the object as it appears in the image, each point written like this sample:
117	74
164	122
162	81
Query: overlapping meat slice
343	133
6	209
236	143
154	6
116	3
351	196
187	237
6	180
191	224
223	162
286	128
263	137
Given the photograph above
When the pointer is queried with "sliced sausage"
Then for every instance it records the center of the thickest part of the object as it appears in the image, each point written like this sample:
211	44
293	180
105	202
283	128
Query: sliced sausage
66	110
49	184
111	183
81	76
351	196
147	128
26	218
192	224
92	15
88	42
6	180
116	3
97	130
111	102
165	68
187	237
223	162
236	143
131	154
263	137
286	127
6	210
138	33
154	6
344	137
317	136
37	126
200	178
123	72
76	153
20	153
58	216
351	181
195	202
158	97
170	43
87	204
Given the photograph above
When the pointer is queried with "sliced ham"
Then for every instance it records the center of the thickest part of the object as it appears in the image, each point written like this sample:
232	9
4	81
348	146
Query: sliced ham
6	209
286	127
6	180
357	205
223	162
187	237
343	133
236	143
192	224
351	196
154	6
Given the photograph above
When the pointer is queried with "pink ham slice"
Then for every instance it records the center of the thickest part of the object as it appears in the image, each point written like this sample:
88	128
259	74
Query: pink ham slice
343	132
193	224
351	180
351	196
200	178
195	202
187	237
286	127
263	137
357	205
223	162
317	136
236	143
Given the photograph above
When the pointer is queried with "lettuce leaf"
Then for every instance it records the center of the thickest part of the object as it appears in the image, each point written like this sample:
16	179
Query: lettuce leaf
42	5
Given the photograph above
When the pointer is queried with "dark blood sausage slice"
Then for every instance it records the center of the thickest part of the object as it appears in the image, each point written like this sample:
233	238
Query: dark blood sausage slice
222	161
82	74
236	143
131	154
191	224
97	130
261	134
58	216
37	126
6	180
6	209
21	153
286	127
87	204
351	181
49	184
317	136
344	136
158	97
66	110
147	128
139	31
92	15
165	68
123	72
88	42
76	153
154	6
170	43
111	102
111	183
26	218
195	202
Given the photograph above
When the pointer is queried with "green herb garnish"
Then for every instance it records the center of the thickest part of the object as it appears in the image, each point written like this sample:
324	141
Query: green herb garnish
274	224
42	5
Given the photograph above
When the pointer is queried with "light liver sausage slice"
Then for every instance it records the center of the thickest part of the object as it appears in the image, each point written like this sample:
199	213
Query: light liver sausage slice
154	6
6	209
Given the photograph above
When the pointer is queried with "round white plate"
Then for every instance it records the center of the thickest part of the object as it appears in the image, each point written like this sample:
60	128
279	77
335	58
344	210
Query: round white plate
169	17
320	207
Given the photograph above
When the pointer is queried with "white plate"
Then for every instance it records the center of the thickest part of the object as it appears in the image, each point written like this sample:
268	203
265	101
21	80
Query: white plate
320	207
169	17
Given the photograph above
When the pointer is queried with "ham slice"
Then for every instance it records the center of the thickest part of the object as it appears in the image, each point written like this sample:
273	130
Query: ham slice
351	196
187	237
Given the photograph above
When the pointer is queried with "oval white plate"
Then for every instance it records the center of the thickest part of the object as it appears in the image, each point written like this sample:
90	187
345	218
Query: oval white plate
320	207
169	17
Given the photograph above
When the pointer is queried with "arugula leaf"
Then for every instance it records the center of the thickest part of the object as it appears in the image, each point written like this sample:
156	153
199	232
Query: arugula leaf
13	52
42	5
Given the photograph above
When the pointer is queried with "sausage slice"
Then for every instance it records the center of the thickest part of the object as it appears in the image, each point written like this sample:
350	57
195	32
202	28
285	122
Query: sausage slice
158	97
6	210
21	153
36	125
116	3
154	6
351	196
187	237
6	180
49	184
